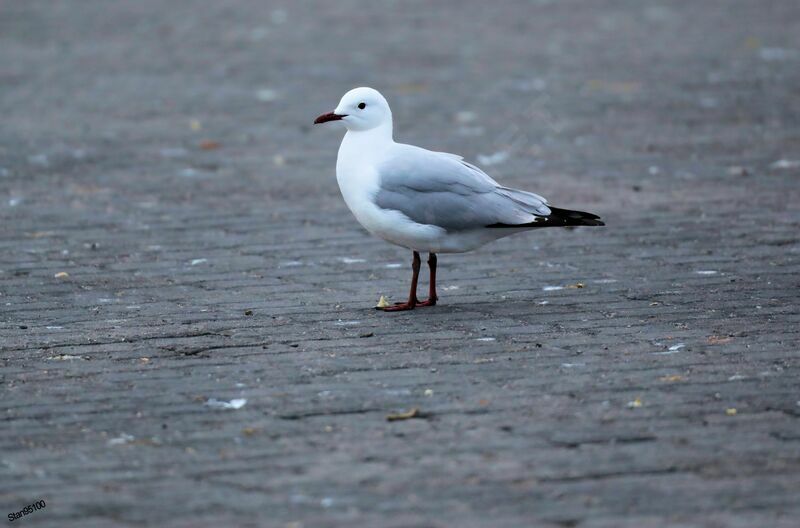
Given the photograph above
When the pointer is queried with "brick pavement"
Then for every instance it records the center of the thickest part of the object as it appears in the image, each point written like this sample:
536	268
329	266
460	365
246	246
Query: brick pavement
162	157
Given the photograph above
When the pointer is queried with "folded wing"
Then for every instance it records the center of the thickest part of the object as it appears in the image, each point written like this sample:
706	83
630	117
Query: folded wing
441	189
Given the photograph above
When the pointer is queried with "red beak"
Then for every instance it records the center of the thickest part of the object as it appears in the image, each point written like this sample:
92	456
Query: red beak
330	116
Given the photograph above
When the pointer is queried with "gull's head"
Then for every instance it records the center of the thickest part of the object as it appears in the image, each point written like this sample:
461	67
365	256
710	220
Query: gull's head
360	109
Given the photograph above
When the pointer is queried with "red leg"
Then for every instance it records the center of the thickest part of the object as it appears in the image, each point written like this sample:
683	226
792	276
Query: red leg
412	295
432	297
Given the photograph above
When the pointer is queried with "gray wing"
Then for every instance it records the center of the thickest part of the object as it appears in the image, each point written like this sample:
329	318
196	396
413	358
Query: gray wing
441	189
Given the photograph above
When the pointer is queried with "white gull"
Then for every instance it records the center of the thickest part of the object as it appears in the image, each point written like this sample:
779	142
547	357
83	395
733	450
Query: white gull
427	201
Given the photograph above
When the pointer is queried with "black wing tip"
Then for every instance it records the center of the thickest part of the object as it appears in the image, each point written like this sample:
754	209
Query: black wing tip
559	218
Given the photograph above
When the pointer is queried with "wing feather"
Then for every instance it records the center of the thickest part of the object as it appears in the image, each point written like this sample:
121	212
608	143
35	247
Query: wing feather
441	189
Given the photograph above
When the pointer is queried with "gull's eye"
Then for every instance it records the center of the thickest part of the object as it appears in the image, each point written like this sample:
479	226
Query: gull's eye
362	106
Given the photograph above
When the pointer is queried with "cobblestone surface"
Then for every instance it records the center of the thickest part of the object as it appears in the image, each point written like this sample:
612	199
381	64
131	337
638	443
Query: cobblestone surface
171	235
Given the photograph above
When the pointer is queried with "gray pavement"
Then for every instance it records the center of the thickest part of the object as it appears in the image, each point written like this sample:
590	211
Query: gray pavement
171	234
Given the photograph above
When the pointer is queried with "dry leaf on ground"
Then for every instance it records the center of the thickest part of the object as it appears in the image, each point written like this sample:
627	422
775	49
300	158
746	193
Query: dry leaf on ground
413	413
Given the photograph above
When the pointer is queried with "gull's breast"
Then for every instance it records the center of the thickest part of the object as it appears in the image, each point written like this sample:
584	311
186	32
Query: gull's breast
359	187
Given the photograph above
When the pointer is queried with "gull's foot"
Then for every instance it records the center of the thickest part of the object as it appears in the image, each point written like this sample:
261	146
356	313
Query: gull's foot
399	307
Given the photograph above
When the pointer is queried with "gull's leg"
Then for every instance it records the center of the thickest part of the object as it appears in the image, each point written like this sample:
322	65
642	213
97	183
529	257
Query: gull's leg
432	297
412	295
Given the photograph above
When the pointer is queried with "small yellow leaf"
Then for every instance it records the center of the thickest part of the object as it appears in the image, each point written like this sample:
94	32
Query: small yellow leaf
731	411
41	234
382	302
413	413
61	275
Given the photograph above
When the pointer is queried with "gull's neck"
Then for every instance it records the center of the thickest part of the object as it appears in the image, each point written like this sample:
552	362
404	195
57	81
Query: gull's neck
380	134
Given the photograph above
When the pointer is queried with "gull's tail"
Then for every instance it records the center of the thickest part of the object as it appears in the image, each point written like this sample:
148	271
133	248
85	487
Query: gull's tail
560	218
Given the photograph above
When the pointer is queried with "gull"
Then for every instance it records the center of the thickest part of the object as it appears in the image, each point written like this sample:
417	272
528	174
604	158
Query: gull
426	201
